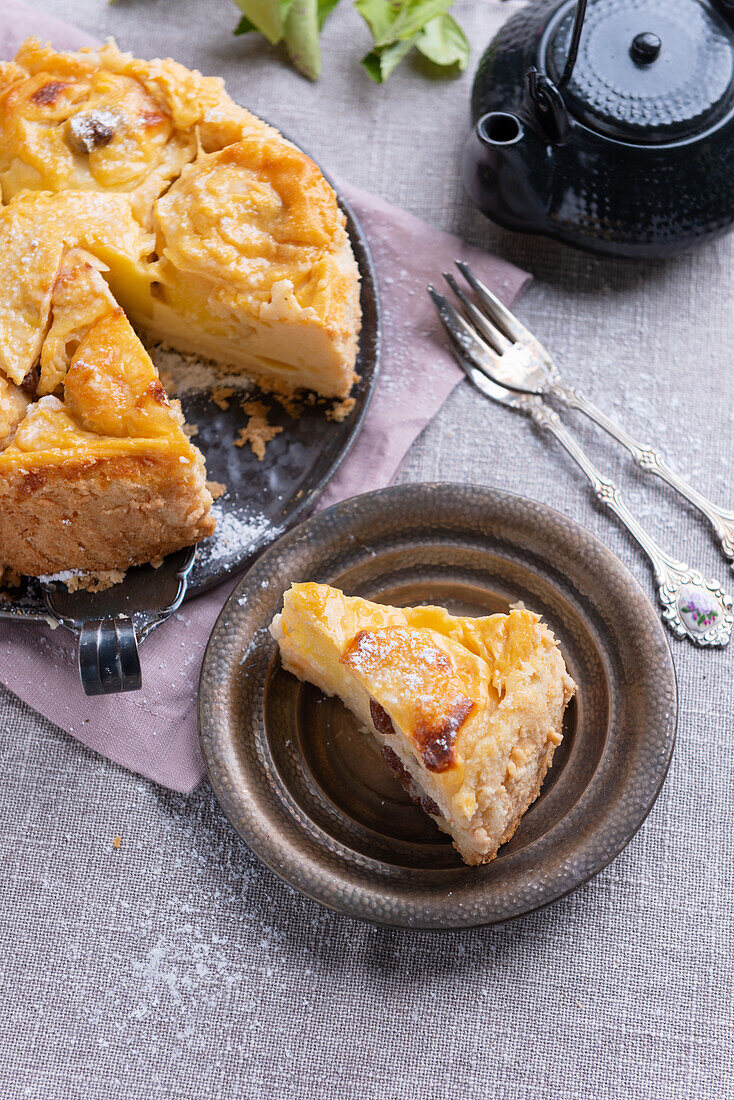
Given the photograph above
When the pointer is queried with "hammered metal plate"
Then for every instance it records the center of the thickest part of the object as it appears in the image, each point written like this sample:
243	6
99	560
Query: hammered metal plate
309	793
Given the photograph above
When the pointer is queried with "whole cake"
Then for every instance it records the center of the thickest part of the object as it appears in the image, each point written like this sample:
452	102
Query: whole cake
467	711
139	192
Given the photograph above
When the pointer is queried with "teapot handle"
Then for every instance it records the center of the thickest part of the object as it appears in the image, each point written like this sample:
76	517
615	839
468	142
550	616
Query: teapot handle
548	104
546	96
573	49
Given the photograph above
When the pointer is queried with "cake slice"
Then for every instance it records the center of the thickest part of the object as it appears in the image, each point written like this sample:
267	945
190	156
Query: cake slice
96	473
36	232
467	711
255	268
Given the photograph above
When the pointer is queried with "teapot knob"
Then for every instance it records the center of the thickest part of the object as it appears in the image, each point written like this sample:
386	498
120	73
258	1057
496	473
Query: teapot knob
645	48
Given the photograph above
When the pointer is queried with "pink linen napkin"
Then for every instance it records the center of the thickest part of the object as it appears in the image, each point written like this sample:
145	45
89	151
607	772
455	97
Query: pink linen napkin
154	731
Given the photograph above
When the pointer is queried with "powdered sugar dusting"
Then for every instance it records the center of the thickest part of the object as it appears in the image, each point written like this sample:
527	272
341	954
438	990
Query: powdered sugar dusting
234	532
62	577
184	374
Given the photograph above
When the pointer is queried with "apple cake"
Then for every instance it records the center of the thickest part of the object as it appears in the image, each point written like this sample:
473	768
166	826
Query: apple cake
468	711
139	192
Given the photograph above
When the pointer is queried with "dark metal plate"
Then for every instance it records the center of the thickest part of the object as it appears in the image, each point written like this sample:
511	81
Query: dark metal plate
311	796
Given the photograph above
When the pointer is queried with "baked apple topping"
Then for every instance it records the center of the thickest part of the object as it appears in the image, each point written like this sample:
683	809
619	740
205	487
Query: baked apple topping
91	130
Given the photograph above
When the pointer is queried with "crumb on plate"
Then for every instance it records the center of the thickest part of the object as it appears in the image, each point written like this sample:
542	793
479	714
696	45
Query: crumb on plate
216	488
77	581
220	395
340	410
9	578
292	404
257	432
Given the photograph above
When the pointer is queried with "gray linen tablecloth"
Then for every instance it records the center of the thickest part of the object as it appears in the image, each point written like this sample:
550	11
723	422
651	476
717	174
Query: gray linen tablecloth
178	966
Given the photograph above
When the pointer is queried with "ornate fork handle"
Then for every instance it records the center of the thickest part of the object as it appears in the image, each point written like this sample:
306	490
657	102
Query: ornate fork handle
646	458
693	607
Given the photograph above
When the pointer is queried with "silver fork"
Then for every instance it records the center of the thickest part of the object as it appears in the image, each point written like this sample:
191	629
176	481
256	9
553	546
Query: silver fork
693	607
517	360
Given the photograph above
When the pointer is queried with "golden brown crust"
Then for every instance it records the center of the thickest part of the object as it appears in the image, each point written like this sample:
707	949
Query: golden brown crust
13	405
252	263
103	476
36	230
438	703
256	268
103	120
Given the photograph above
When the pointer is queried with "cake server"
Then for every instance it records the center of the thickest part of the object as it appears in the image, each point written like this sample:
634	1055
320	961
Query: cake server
693	606
109	624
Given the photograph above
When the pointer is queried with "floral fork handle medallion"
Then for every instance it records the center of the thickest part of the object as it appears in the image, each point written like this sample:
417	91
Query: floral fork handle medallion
693	607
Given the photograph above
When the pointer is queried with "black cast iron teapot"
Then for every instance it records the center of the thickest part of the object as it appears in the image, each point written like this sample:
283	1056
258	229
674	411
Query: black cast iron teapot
608	125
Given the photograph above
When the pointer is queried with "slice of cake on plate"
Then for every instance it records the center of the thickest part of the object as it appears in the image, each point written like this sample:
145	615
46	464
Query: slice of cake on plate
468	711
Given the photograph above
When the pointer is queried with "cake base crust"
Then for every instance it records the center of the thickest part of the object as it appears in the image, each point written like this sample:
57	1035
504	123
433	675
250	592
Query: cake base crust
97	514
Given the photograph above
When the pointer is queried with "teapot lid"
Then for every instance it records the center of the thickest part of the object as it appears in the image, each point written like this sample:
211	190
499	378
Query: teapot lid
646	72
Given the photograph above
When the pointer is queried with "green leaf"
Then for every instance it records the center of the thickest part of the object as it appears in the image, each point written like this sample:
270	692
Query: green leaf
396	25
414	14
267	16
302	37
326	7
244	26
390	20
377	14
443	41
381	61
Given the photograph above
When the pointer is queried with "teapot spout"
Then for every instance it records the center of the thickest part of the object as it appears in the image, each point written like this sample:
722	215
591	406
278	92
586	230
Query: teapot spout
507	167
500	129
